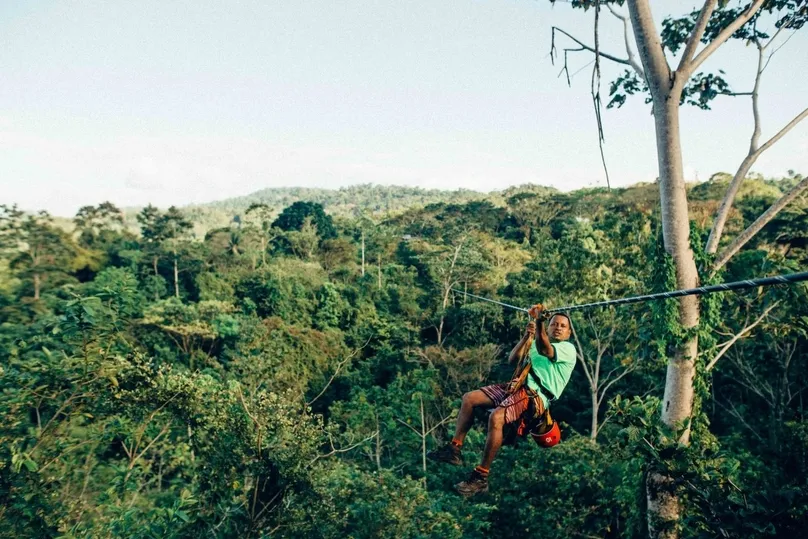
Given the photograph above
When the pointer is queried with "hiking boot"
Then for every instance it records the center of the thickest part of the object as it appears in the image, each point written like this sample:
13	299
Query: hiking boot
449	453
477	483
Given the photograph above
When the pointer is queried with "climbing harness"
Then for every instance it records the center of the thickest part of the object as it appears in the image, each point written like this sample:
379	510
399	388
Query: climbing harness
536	420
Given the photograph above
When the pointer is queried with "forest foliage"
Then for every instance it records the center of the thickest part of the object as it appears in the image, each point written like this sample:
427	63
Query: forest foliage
282	373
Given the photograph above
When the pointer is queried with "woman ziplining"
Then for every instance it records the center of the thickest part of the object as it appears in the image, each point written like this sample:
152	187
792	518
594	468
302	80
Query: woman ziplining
544	365
544	368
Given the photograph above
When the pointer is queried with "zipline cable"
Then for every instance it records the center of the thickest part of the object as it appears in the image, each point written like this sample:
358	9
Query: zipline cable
722	287
514	307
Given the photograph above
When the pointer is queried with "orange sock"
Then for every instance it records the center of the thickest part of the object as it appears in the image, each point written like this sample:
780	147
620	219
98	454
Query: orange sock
482	470
457	443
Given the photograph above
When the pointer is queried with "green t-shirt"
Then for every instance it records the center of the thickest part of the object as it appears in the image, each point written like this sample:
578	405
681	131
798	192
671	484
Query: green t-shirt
553	373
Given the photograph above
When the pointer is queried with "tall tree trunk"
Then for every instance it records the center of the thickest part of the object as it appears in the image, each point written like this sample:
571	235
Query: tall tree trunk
156	274
37	285
378	454
664	510
678	399
363	253
380	271
677	404
176	278
423	439
593	435
448	283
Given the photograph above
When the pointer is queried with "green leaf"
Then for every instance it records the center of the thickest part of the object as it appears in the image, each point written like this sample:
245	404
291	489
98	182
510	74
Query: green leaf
182	515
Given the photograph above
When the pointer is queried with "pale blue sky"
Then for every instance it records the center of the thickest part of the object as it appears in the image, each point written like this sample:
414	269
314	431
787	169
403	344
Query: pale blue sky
177	102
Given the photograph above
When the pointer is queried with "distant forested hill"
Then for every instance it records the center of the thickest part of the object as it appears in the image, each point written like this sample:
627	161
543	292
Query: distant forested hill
370	199
350	201
388	201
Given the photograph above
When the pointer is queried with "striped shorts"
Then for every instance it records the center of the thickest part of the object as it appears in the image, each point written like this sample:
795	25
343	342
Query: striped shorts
515	405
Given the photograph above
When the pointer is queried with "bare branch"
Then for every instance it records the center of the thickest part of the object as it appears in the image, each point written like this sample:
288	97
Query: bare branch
739	416
65	452
581	357
752	156
632	58
584	46
570	77
351	447
416	431
759	223
783	26
566	70
735	94
769	143
438	424
697	33
339	367
425	433
751	380
58	413
739	335
769	58
605	389
163	431
722	37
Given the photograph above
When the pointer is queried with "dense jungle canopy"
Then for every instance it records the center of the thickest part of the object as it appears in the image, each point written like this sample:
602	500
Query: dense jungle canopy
257	368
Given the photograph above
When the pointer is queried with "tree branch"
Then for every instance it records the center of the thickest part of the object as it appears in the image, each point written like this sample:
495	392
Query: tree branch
163	431
334	450
797	119
584	46
751	380
441	422
41	434
416	431
649	47
739	335
734	411
697	33
722	37
605	388
339	367
582	359
755	150
759	223
595	91
740	174
632	58
783	26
